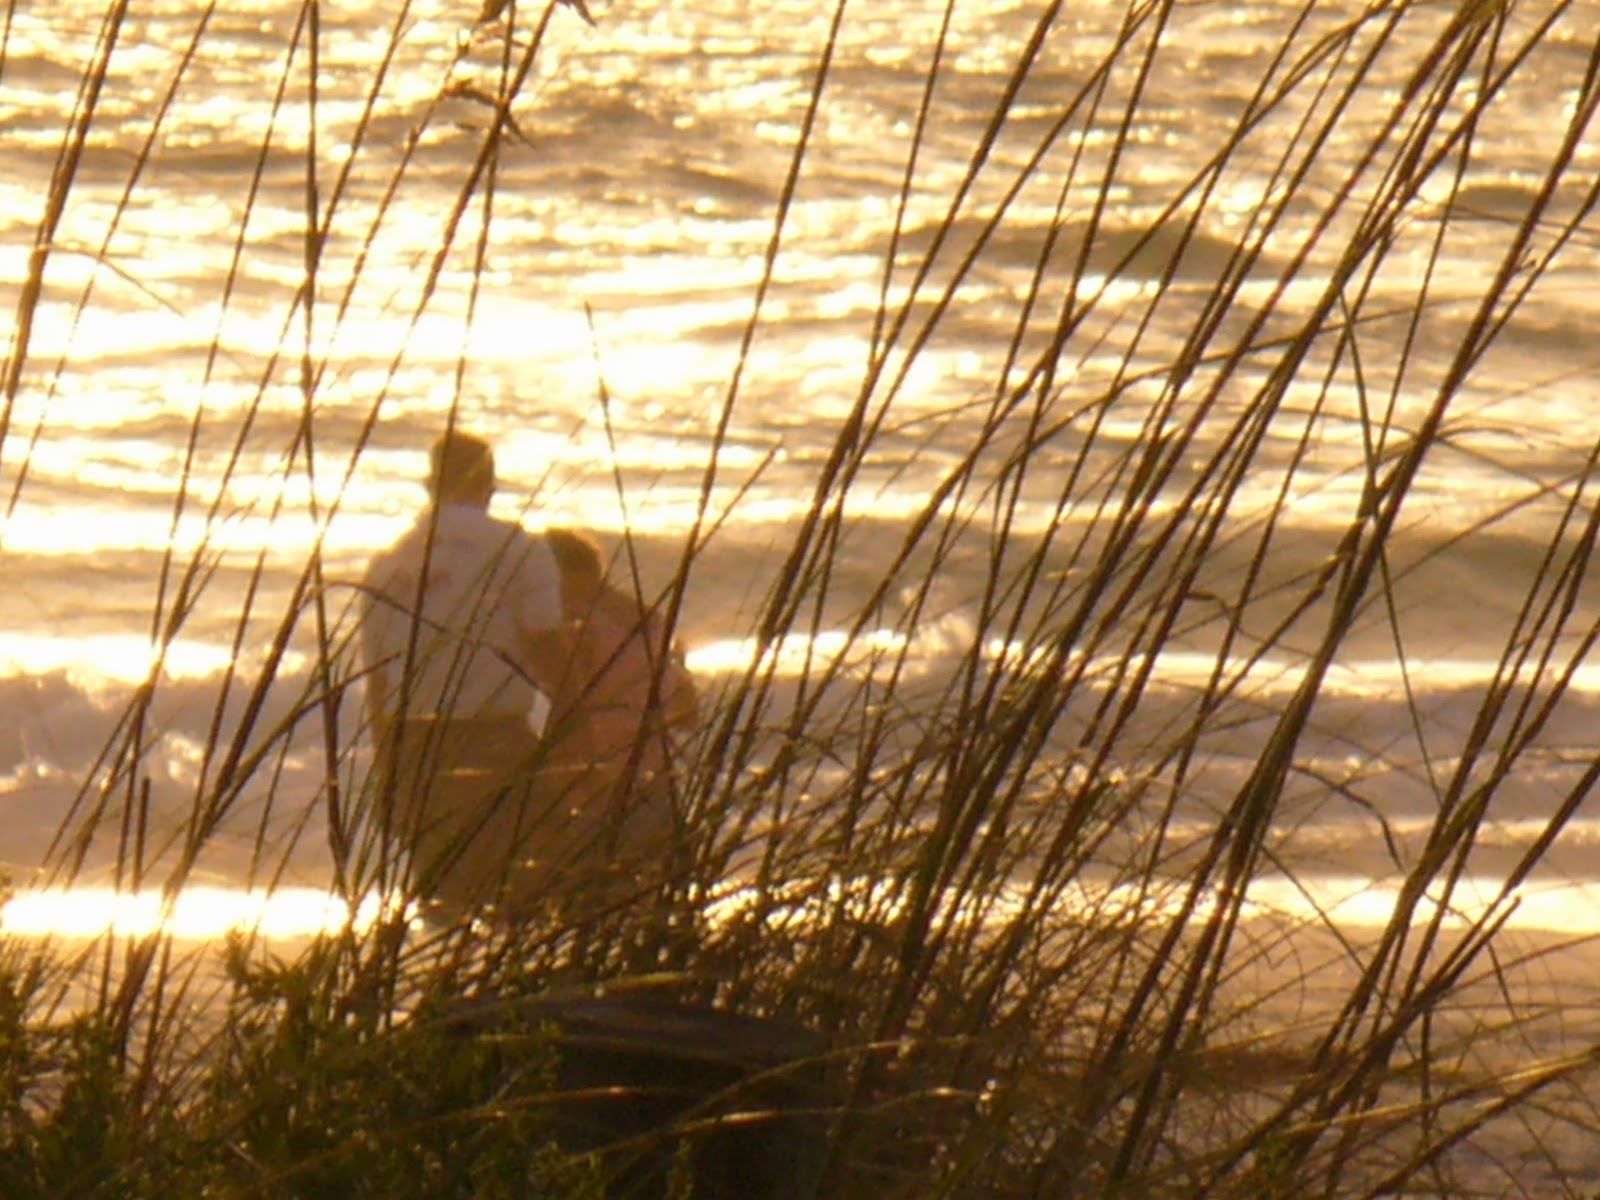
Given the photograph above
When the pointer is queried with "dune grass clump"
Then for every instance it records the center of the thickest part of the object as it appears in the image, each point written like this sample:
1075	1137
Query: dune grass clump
990	804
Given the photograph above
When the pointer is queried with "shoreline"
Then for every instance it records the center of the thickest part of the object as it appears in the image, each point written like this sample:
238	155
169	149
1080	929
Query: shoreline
1541	907
1524	1018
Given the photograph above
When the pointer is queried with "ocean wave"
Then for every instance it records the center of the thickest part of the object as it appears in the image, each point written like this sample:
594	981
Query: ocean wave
1368	782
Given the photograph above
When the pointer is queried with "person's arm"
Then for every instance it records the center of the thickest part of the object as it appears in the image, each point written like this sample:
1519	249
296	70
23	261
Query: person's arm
677	698
547	657
376	699
548	641
680	697
375	618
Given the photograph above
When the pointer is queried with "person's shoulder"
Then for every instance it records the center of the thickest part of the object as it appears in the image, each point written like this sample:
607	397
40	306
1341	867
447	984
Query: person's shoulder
473	529
516	549
531	547
387	561
398	554
620	602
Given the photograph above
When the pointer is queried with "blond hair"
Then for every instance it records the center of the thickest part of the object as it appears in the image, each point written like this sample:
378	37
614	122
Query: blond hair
576	553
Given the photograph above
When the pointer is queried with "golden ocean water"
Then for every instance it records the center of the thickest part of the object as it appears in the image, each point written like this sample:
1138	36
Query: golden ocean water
616	304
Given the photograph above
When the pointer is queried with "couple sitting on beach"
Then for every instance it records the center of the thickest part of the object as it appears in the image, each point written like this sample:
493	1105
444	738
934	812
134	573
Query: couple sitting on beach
525	711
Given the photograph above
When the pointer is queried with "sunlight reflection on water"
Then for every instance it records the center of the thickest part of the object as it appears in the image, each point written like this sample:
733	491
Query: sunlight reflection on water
1345	902
98	660
198	913
1341	902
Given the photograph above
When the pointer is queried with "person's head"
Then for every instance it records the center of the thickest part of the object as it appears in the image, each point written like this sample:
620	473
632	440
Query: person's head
578	557
461	469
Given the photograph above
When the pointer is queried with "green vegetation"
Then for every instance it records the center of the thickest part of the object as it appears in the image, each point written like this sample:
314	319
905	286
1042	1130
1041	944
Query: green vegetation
1013	898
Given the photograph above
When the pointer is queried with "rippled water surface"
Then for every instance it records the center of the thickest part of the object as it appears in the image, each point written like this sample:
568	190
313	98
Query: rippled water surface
611	296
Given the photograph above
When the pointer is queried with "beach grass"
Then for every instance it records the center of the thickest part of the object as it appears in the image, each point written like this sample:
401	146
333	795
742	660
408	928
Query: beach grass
1017	900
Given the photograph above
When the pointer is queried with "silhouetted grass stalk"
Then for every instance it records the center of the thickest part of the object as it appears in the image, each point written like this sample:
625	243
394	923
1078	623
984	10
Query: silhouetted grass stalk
1008	898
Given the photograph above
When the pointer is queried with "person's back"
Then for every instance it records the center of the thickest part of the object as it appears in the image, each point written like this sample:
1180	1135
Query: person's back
619	715
453	603
461	635
637	697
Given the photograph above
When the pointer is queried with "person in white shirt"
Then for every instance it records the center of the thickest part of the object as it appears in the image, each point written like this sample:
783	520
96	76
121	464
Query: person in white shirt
463	640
